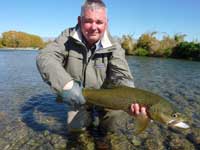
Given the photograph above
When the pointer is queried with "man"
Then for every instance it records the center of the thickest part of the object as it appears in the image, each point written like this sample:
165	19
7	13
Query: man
85	53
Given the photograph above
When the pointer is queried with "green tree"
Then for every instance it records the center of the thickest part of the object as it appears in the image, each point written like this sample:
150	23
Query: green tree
187	50
141	52
179	37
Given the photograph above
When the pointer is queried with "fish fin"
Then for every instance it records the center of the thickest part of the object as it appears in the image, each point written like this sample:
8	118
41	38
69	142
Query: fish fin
141	123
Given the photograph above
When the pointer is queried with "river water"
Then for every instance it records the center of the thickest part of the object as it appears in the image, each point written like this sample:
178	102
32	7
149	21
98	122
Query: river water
29	111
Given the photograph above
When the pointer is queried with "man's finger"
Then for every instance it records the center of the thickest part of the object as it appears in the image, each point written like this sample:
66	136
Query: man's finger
137	108
143	110
132	108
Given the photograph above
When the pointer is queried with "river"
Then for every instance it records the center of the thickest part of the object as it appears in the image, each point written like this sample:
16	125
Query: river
29	111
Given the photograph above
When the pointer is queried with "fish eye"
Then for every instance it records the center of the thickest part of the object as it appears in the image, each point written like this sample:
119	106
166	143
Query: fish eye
175	115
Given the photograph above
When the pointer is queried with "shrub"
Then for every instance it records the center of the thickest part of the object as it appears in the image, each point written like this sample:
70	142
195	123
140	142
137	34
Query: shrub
141	52
187	50
148	42
128	44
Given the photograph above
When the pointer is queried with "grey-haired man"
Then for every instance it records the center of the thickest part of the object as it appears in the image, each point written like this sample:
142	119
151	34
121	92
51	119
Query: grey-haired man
88	54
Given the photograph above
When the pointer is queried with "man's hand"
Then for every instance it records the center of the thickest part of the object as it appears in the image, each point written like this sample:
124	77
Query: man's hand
136	109
72	94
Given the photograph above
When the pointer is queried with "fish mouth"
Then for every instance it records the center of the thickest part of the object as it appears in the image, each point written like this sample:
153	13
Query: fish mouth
179	124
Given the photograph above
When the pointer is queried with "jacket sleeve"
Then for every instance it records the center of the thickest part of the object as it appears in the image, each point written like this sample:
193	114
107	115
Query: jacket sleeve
118	70
50	62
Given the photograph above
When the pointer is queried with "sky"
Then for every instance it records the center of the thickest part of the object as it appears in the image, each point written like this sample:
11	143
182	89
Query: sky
133	17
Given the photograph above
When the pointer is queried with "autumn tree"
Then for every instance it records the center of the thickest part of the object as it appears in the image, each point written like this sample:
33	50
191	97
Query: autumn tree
128	44
149	42
166	45
1	45
21	39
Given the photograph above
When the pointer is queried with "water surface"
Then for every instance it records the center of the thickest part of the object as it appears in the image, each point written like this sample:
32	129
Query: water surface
28	108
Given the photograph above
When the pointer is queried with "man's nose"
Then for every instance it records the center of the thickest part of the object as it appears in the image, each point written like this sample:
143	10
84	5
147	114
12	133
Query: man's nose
94	26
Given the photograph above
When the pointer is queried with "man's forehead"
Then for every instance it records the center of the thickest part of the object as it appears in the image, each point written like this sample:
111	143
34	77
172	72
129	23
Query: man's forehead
96	12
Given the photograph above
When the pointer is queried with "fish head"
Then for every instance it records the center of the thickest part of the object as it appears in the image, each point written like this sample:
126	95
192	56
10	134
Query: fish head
178	119
171	117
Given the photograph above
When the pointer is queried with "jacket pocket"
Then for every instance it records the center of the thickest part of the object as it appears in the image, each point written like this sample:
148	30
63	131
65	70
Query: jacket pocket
100	66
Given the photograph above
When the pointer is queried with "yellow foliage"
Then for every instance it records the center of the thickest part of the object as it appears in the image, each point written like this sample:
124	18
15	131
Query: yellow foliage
128	44
1	43
21	39
149	42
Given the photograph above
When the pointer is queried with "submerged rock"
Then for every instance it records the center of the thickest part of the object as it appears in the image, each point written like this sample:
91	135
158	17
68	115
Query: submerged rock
194	137
2	115
178	142
86	140
120	142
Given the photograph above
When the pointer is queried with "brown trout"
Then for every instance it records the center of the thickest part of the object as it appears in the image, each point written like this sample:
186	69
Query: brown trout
121	98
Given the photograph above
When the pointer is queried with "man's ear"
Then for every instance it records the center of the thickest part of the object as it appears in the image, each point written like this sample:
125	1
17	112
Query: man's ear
79	20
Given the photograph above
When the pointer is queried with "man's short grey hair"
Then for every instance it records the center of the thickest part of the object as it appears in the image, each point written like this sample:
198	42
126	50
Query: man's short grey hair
92	4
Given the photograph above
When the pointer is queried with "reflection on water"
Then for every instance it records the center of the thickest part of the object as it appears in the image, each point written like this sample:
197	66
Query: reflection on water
29	109
42	112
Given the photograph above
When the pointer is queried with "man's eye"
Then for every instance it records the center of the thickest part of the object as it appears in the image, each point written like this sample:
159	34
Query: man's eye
99	22
88	21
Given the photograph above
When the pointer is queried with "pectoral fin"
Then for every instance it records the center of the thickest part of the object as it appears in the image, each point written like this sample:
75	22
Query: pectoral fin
141	122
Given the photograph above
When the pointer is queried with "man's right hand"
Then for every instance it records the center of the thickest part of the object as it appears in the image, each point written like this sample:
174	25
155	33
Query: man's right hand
72	94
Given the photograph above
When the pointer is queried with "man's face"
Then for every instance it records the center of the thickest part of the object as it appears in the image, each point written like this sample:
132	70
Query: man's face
93	24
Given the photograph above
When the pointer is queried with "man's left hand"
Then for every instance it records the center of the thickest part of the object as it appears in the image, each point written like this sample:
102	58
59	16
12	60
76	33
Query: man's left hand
136	109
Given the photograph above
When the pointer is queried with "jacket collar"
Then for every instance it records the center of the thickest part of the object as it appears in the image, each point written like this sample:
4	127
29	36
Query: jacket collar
105	41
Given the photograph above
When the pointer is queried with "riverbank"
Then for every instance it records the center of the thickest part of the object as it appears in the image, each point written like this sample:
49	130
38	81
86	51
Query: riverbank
19	48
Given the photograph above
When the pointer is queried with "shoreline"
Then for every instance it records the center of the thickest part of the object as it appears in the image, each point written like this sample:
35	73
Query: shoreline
19	48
